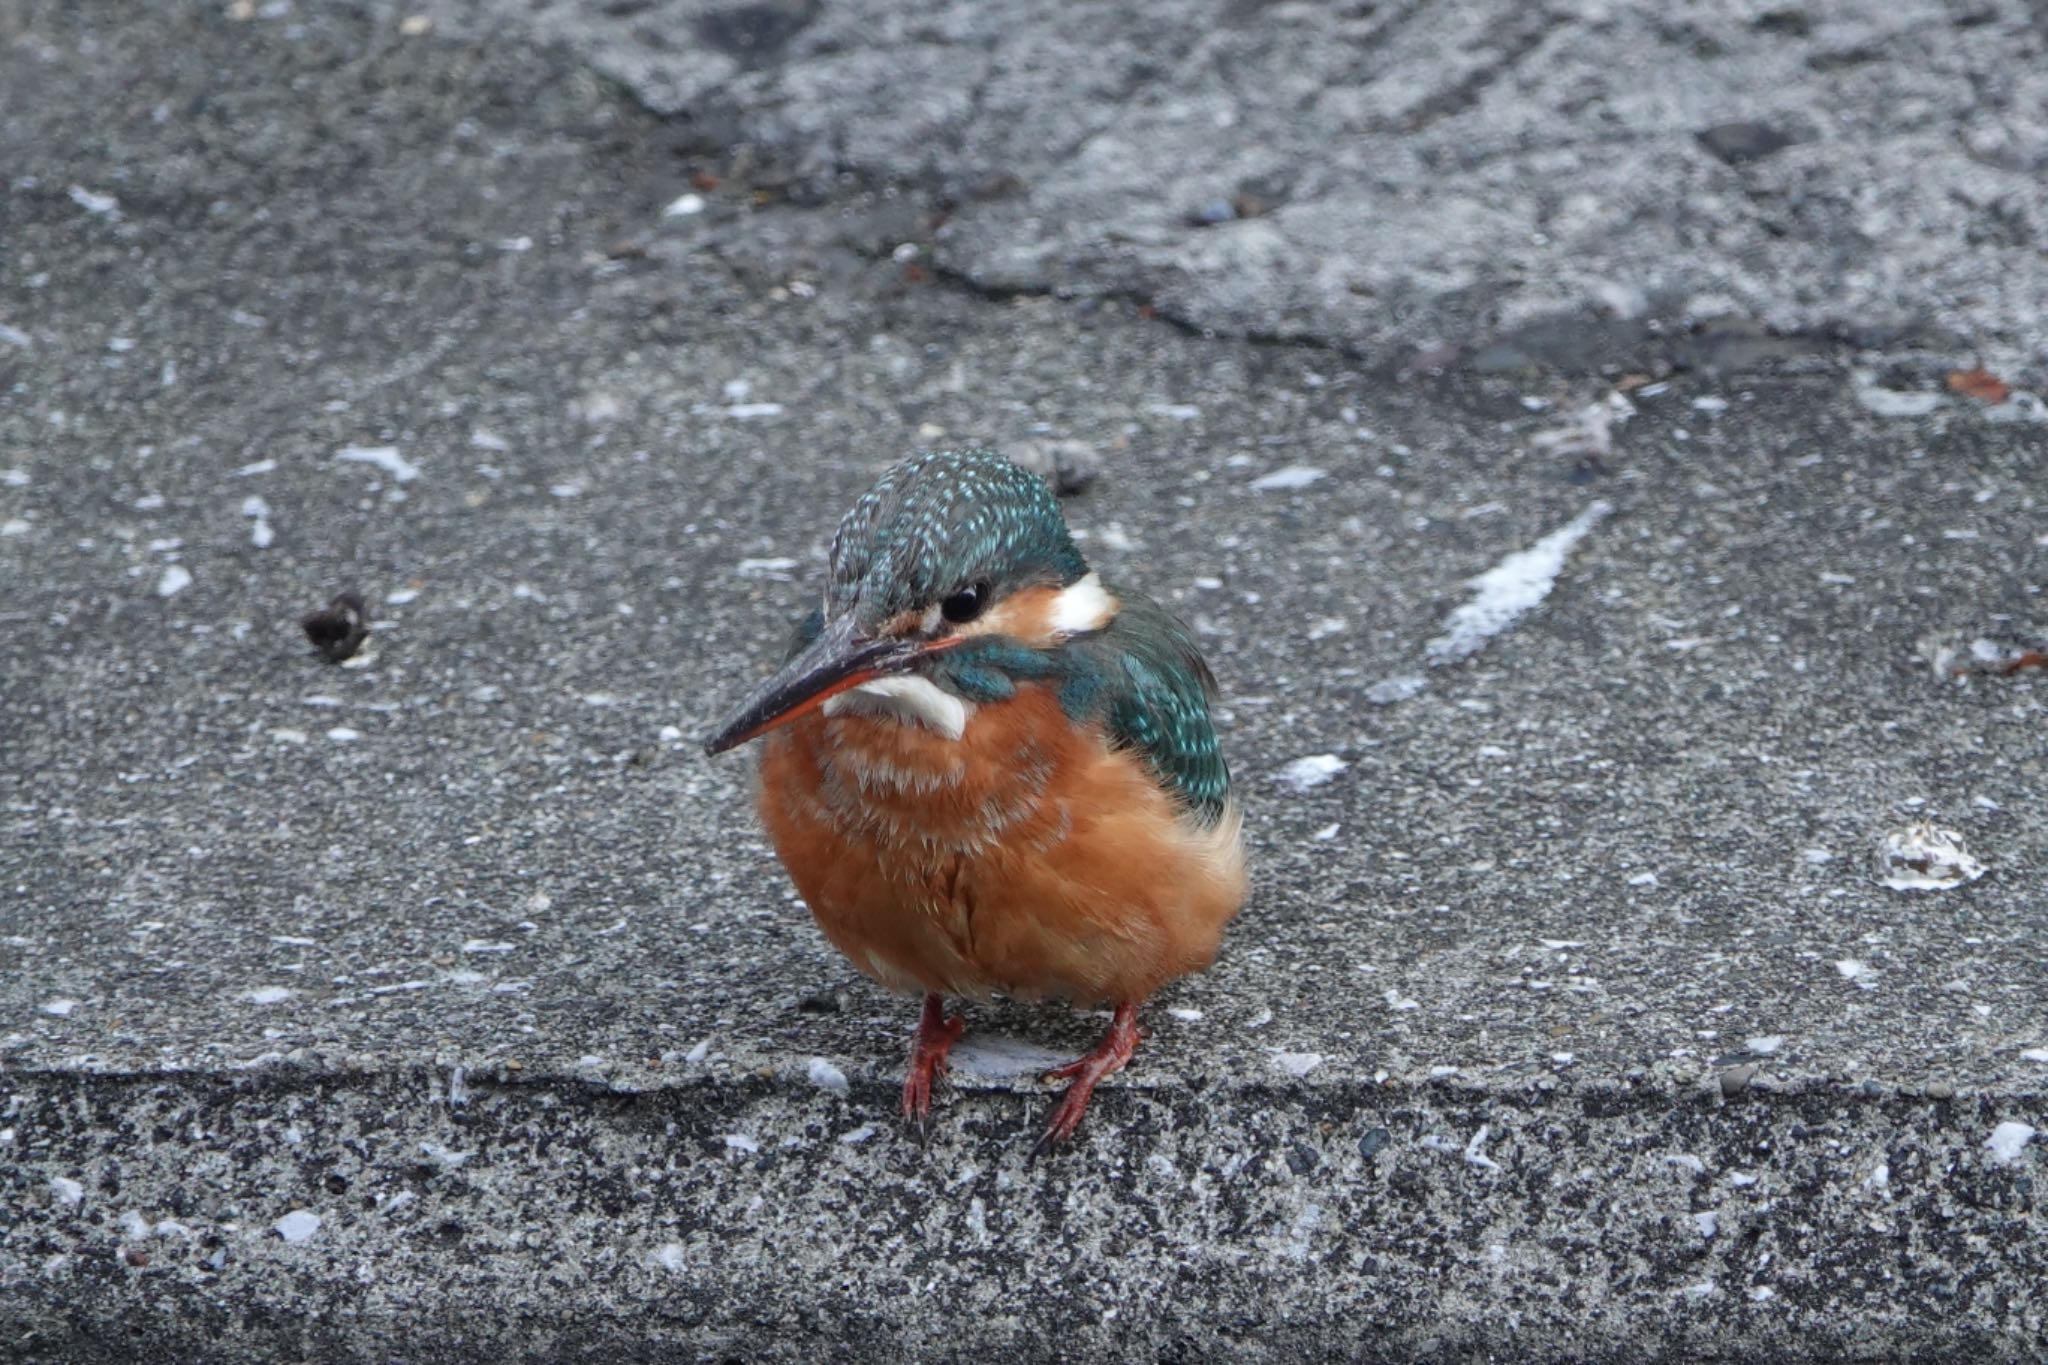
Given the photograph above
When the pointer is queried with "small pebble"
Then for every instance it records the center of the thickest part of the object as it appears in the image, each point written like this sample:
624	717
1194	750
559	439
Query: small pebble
338	629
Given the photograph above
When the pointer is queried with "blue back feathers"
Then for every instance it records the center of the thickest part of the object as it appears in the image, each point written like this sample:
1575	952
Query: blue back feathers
1147	682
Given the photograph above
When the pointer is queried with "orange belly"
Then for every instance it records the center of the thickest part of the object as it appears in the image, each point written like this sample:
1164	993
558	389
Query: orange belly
1026	857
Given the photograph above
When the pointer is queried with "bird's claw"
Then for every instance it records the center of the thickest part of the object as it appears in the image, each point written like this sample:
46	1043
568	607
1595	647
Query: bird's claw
936	1034
1086	1072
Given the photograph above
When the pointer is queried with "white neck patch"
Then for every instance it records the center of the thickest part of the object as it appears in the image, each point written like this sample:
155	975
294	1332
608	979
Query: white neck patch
1083	605
907	698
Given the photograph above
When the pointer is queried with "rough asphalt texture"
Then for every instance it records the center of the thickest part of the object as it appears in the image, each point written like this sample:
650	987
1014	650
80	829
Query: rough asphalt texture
450	1007
1489	175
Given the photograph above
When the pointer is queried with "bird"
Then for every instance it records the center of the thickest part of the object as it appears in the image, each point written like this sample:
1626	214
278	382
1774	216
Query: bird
988	773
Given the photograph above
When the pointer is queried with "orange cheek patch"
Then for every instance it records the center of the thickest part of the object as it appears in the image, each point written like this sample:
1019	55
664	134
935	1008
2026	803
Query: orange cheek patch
1025	616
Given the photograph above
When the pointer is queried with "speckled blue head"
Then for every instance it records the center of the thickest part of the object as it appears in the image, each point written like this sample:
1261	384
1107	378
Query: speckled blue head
939	522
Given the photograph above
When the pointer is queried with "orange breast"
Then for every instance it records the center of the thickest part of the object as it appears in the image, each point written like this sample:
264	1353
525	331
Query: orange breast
1026	857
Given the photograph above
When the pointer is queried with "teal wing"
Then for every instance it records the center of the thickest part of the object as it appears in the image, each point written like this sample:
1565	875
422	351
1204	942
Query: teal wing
1146	679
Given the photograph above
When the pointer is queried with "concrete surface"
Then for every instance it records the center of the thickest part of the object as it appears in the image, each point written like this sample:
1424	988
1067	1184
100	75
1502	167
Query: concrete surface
450	1007
1488	176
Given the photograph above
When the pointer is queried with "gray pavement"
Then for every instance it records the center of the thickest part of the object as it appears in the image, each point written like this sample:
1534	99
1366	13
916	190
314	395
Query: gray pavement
1489	177
450	1006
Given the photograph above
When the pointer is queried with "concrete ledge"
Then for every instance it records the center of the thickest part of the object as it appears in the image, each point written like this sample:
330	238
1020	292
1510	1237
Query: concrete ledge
551	1219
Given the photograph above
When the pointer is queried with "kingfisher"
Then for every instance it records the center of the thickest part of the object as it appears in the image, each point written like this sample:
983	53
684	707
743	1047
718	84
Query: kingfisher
987	773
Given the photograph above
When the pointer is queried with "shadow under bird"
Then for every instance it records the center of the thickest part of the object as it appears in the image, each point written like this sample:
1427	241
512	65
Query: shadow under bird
987	773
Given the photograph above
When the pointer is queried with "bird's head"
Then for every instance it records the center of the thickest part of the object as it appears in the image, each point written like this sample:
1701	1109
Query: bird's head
949	555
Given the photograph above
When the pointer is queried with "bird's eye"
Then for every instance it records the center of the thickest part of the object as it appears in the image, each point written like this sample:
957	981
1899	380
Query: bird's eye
966	604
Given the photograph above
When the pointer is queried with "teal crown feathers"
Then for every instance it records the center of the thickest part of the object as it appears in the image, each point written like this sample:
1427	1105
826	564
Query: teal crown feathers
940	521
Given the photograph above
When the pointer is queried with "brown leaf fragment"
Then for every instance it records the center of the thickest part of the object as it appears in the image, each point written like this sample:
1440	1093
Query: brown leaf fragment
1979	384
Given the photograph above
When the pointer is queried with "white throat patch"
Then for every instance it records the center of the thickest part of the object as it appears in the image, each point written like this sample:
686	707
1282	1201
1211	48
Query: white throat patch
907	698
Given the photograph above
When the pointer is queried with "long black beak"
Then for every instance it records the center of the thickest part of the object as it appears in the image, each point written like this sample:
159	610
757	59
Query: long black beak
839	659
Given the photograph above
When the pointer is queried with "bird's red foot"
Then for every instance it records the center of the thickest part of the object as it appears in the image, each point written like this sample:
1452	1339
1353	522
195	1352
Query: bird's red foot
1109	1055
936	1035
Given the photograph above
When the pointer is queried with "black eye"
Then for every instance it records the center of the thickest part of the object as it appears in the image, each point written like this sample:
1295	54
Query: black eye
966	604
